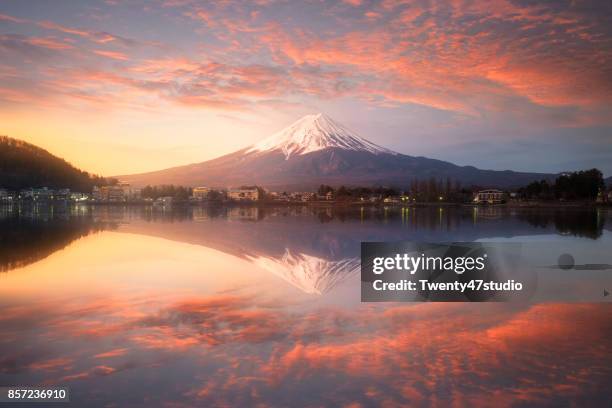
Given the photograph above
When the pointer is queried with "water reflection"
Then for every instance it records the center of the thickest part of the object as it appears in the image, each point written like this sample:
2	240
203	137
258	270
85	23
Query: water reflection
314	249
242	350
180	309
580	223
33	233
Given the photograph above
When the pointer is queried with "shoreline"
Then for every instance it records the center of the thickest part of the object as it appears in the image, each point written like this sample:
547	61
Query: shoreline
320	204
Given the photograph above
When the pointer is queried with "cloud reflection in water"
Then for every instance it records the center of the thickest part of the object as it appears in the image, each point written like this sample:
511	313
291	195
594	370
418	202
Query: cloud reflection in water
172	321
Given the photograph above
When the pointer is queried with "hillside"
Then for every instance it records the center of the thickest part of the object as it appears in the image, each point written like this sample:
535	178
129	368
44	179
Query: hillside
24	165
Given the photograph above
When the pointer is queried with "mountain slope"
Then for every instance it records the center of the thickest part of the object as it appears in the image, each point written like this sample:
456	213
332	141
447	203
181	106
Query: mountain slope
23	165
316	150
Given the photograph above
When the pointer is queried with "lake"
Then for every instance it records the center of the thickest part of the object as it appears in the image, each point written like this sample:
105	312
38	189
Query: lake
246	306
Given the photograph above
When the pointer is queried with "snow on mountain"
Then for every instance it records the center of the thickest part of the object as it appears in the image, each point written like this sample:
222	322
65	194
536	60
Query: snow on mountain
310	274
312	133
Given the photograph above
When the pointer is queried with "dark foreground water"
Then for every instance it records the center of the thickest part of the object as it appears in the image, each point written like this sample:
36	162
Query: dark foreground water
261	307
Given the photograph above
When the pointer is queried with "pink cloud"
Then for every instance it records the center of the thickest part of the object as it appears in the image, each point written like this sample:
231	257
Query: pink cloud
112	54
468	57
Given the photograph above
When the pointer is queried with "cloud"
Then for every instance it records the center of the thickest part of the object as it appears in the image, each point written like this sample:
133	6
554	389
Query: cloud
34	48
112	353
468	57
12	19
467	67
68	30
112	54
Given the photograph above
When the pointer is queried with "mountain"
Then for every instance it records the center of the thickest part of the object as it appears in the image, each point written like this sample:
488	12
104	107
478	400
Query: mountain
310	274
317	150
23	165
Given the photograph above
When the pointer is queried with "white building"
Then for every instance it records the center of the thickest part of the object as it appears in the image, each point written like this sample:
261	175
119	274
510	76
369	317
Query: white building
243	194
200	193
490	196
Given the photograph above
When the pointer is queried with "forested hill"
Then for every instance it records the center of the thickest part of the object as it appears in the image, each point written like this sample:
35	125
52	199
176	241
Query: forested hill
23	165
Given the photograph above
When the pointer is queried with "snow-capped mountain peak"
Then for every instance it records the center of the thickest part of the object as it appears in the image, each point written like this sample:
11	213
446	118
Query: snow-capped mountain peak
312	133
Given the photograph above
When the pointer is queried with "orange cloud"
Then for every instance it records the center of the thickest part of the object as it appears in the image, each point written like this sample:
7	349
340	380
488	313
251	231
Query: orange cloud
112	353
471	58
112	54
68	30
50	43
52	364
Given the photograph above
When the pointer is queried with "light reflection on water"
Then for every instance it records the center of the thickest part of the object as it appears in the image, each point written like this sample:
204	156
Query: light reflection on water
246	306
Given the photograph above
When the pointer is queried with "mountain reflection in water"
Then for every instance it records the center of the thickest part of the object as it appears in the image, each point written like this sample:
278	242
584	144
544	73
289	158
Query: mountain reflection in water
290	242
141	307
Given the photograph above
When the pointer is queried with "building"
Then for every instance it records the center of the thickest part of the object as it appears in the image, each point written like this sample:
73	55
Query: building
62	194
200	193
96	194
36	194
392	200
243	194
129	193
490	196
9	196
78	197
329	196
117	193
109	193
303	196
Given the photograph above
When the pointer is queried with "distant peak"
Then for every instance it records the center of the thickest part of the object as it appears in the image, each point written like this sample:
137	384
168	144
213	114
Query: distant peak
315	132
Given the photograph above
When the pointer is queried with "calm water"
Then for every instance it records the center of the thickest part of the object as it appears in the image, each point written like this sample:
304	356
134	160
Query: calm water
246	306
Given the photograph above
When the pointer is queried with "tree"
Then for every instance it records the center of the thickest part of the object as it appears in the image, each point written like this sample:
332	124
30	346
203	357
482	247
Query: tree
167	190
579	185
214	195
536	190
343	192
324	189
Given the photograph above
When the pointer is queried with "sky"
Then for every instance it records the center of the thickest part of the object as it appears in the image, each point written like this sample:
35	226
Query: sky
127	86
